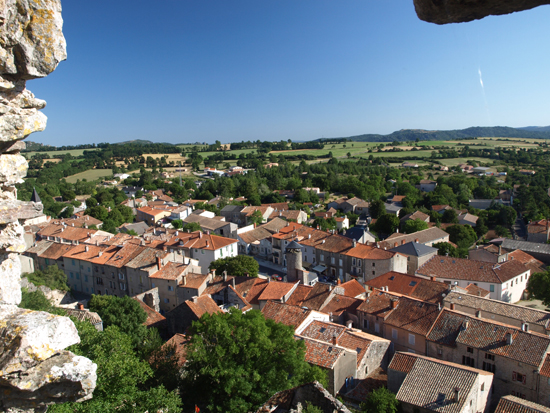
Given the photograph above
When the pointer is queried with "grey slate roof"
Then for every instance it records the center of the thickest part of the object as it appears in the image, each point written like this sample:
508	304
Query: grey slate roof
34	196
293	246
414	249
357	232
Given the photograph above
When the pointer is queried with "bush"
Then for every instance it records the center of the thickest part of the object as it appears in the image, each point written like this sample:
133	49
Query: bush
52	277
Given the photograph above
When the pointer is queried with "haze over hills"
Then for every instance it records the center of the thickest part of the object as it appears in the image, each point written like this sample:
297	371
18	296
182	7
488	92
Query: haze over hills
530	132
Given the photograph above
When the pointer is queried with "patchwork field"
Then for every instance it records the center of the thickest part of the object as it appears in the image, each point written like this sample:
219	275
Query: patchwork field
54	154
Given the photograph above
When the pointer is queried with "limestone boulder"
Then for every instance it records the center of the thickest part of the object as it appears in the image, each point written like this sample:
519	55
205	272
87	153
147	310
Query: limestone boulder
10	268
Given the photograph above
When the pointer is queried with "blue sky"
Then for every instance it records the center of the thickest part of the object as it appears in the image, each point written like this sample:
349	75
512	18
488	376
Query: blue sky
200	70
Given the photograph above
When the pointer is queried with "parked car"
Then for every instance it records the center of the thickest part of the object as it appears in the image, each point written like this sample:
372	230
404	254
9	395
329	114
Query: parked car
277	277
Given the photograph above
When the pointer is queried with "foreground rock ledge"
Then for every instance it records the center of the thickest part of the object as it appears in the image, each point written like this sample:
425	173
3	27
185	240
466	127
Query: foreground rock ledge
459	11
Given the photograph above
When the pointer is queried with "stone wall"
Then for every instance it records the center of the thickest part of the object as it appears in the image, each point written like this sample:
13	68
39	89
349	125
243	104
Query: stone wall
35	368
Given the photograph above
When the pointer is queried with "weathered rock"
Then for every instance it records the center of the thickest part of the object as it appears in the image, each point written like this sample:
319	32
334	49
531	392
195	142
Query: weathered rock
13	168
11	237
35	370
28	338
50	382
459	11
10	268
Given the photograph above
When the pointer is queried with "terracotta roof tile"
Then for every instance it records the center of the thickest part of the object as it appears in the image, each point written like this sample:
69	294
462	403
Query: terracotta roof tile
512	404
402	362
154	318
473	289
180	343
283	313
275	290
299	295
170	271
340	303
378	303
369	252
545	368
471	270
321	354
414	316
352	288
318	296
529	348
57	250
416	287
203	304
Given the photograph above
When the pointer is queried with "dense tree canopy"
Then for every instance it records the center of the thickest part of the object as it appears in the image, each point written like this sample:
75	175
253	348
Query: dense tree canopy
539	286
236	361
237	266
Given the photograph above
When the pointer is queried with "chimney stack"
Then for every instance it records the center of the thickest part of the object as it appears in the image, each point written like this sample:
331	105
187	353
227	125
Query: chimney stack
233	282
159	263
393	304
225	276
335	339
86	248
433	278
395	244
350	324
452	306
457	394
80	306
402	242
195	299
525	327
416	240
339	281
478	313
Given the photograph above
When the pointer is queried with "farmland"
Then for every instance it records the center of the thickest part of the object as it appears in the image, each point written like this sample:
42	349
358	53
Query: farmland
90	175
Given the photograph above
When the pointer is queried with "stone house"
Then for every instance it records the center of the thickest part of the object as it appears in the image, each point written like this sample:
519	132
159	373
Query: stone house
506	281
365	262
417	254
427	237
528	319
181	318
427	185
78	267
415	287
514	356
214	226
151	215
232	213
424	384
538	231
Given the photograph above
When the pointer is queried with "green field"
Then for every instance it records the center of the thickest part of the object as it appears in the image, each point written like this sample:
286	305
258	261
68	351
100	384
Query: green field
56	154
90	175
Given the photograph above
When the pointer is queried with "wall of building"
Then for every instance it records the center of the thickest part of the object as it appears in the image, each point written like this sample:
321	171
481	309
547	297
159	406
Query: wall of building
376	356
345	366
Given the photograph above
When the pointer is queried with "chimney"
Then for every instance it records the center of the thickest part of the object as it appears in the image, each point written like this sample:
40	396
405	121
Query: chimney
438	306
500	250
225	276
100	253
457	394
86	248
350	324
200	234
402	242
479	293
525	327
509	339
142	242
233	282
206	243
433	278
416	240
478	313
393	304
80	306
159	263
195	299
452	306
335	339
465	324
395	244
339	281
354	243
177	233
184	280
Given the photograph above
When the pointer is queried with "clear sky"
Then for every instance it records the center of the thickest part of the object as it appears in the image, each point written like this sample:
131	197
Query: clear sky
200	70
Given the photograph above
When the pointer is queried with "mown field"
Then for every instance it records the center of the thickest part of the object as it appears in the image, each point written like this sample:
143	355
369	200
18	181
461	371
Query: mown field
90	175
54	154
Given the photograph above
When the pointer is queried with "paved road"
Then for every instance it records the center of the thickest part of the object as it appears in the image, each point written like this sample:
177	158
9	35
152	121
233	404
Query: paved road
519	228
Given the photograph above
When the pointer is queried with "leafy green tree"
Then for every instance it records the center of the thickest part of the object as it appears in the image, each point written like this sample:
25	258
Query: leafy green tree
462	235
121	376
539	286
236	361
35	300
377	209
481	227
124	313
311	408
415	225
192	227
237	266
502	231
444	248
52	277
324	224
256	217
380	401
507	216
387	224
177	223
449	217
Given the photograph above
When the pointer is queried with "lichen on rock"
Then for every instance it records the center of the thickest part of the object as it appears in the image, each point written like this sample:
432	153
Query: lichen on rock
35	368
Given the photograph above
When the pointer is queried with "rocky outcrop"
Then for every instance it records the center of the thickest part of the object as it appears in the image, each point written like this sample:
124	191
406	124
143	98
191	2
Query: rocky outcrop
35	368
459	11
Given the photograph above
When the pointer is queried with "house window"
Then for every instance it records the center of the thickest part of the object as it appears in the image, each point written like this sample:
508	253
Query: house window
374	264
468	361
170	288
489	356
469	349
374	273
166	300
322	258
492	288
78	276
353	261
153	285
86	279
48	261
72	261
71	275
411	339
489	367
439	352
482	386
394	334
202	251
366	327
359	263
340	262
122	286
376	328
518	377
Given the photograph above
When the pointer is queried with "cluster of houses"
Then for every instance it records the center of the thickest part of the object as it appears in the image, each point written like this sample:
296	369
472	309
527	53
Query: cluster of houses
440	332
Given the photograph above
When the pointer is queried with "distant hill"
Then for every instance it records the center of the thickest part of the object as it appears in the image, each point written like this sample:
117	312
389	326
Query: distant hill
445	135
141	142
537	128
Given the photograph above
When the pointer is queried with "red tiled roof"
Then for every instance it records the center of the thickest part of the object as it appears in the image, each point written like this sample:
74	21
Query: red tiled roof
352	288
180	343
471	270
317	296
170	271
473	289
299	295
414	316
512	404
340	303
370	252
203	304
416	287
154	318
283	313
402	362
545	368
275	290
321	354
378	303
